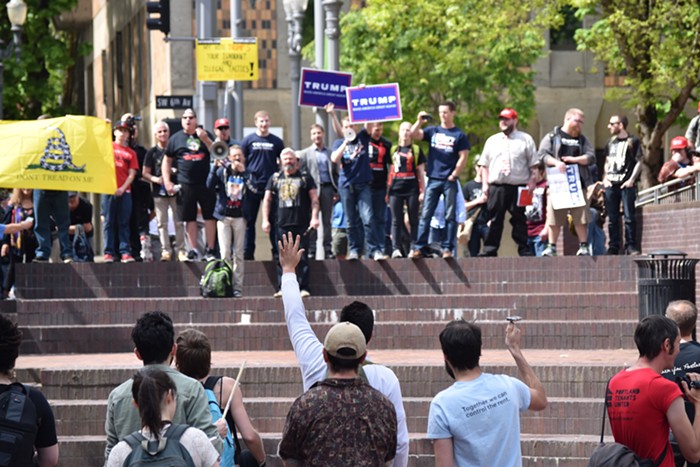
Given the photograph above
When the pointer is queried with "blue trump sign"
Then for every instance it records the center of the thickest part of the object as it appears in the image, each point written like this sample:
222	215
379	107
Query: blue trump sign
378	103
318	88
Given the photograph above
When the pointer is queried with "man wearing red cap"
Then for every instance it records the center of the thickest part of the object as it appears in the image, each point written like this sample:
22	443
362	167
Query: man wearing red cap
222	130
692	134
508	162
679	164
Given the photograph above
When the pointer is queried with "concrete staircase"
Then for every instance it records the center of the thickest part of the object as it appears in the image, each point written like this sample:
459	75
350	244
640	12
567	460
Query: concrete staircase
579	316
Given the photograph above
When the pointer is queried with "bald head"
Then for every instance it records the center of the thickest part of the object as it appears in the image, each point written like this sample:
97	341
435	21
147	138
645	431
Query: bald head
685	314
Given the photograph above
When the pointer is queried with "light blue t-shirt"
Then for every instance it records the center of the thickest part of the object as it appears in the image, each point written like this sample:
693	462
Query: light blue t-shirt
2	230
483	419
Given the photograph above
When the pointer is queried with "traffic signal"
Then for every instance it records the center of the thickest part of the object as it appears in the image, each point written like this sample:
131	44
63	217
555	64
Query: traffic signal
161	23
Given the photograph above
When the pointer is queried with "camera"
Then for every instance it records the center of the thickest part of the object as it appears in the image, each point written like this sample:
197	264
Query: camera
691	384
426	117
131	121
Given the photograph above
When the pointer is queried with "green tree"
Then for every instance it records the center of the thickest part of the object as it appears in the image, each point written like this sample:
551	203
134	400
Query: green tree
655	44
40	82
474	52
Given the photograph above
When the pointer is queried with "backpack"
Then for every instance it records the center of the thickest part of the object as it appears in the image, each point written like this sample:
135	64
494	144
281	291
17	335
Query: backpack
229	454
217	279
82	249
19	423
168	452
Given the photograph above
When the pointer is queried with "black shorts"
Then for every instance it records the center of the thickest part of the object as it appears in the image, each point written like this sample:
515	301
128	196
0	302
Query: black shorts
191	196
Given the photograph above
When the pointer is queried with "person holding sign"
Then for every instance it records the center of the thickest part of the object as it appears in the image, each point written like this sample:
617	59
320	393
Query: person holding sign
570	152
447	156
509	163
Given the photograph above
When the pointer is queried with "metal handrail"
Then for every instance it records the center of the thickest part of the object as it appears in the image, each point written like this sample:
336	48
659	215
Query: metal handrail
665	194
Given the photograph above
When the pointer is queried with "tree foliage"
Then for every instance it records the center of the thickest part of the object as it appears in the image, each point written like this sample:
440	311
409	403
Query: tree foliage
475	52
37	83
655	44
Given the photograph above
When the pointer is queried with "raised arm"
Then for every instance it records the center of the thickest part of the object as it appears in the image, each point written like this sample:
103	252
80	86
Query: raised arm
538	398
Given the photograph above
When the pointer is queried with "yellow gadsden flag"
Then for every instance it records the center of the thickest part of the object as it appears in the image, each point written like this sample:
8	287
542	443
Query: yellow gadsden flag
71	153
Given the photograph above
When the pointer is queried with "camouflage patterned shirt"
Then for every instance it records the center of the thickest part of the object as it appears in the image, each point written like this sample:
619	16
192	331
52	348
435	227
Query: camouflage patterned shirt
340	422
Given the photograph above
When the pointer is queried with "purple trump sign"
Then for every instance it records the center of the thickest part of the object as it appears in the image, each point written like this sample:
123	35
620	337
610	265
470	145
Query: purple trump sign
318	88
378	103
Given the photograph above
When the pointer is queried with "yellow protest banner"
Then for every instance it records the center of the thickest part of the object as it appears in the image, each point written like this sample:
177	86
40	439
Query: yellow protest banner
225	59
71	153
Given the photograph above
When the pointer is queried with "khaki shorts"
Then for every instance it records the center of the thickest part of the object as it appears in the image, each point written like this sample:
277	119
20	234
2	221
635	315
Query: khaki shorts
580	215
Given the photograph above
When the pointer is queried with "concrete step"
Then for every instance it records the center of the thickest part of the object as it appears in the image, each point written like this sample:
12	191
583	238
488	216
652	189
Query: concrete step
550	450
532	306
339	278
565	373
569	334
562	415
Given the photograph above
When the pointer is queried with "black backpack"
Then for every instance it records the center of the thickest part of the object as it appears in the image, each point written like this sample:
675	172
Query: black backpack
19	423
217	280
167	452
82	249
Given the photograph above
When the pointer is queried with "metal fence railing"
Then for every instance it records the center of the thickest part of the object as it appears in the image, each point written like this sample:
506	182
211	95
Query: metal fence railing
674	191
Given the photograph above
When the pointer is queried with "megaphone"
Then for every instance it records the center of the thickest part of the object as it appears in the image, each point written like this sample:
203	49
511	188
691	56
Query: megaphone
349	134
219	150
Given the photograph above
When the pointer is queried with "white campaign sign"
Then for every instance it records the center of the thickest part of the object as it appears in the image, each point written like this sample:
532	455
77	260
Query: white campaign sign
565	189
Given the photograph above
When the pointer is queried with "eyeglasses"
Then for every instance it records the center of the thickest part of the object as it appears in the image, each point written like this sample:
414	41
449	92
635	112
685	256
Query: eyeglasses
162	131
613	123
223	128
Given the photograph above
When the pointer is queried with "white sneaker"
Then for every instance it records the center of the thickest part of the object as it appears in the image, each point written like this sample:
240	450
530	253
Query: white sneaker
353	256
396	254
583	251
378	256
305	293
549	251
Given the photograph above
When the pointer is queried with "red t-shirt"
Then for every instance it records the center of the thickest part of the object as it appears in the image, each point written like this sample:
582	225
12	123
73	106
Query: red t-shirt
124	159
637	404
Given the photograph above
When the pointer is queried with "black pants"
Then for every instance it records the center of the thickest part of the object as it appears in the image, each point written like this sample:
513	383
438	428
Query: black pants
504	198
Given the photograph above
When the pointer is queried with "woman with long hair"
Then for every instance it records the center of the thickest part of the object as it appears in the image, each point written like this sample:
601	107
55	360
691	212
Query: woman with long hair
19	247
155	396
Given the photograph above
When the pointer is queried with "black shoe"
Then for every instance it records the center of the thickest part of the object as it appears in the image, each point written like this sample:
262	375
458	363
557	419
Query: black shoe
40	259
632	251
612	252
210	255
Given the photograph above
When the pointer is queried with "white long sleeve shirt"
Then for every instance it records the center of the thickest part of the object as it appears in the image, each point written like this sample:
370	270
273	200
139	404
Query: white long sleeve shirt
309	352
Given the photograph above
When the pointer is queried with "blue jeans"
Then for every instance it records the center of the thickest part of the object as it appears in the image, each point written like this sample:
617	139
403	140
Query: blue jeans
537	245
596	236
47	204
357	204
433	190
378	219
117	209
613	196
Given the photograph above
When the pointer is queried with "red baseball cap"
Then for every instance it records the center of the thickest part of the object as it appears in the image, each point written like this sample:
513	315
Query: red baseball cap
221	122
679	142
508	113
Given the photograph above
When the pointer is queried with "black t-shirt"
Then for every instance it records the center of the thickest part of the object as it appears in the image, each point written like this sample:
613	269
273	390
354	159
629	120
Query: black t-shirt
687	361
46	435
405	176
621	155
570	146
472	190
292	195
191	158
379	152
153	160
82	214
